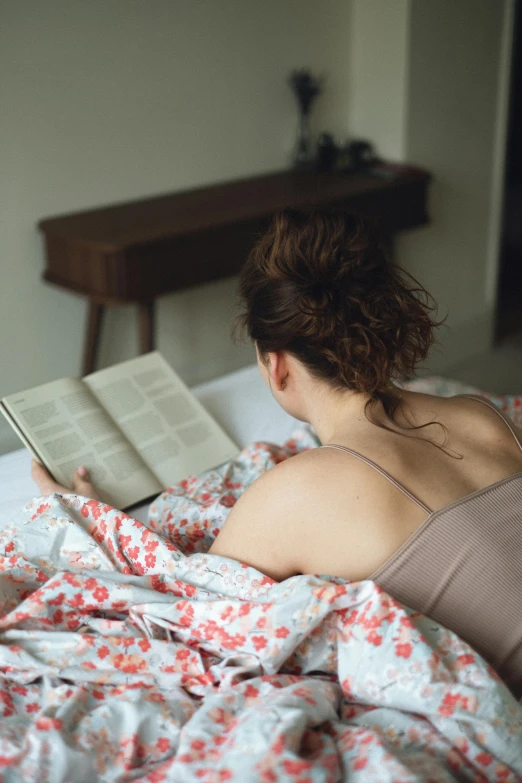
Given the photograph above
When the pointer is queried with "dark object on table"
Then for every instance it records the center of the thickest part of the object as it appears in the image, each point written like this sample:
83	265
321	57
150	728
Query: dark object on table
389	171
343	160
137	251
326	152
305	88
362	155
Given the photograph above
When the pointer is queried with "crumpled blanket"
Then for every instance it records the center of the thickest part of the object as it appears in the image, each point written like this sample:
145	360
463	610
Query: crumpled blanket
127	653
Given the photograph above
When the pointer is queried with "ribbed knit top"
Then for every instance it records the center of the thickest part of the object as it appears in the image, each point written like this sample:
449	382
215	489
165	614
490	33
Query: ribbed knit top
463	568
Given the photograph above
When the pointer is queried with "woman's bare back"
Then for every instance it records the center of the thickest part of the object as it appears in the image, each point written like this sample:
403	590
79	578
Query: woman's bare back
366	517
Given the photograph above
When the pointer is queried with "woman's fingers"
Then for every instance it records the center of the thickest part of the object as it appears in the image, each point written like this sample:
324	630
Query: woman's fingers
80	482
82	485
46	483
38	472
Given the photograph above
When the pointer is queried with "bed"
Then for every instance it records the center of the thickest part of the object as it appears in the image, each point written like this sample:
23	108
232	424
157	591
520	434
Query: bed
127	655
239	401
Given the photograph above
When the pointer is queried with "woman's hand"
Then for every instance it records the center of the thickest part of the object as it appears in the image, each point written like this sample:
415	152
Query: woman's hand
80	482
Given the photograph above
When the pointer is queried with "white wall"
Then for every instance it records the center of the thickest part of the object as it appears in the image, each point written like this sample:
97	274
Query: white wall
454	102
109	100
378	73
427	84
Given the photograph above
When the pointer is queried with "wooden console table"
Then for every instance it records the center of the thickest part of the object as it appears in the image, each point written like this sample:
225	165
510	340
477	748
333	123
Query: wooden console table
136	251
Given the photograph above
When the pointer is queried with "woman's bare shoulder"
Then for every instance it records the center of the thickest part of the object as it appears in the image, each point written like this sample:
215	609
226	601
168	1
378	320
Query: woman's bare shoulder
294	481
292	495
276	518
484	419
470	427
307	474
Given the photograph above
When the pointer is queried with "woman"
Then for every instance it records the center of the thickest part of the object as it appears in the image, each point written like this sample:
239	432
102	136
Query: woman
419	493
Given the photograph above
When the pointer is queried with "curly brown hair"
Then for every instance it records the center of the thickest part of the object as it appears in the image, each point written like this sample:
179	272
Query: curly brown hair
319	285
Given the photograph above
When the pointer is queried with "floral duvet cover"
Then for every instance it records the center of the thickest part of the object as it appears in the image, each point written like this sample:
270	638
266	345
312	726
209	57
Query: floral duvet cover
127	653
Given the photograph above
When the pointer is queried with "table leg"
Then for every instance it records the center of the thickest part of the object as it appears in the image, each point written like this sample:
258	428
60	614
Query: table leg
146	326
92	336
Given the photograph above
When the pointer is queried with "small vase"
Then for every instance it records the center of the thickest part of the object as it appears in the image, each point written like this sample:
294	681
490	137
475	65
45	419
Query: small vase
303	155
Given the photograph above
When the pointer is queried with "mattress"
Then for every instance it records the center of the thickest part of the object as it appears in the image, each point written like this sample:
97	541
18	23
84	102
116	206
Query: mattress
240	401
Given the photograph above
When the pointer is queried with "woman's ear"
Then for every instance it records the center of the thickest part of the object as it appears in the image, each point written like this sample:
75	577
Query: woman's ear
277	367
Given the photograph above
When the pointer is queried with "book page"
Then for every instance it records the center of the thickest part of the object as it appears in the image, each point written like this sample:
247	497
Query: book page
65	427
173	433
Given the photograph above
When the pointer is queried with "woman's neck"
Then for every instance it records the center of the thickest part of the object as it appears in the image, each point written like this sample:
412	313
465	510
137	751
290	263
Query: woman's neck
333	414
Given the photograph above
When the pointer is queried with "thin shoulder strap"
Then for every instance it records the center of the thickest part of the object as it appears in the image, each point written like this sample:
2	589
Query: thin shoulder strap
381	471
494	407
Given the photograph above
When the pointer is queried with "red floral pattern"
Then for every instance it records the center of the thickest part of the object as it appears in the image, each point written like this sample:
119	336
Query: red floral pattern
127	653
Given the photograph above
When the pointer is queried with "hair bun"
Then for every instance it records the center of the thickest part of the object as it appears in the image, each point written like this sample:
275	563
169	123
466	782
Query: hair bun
319	285
317	296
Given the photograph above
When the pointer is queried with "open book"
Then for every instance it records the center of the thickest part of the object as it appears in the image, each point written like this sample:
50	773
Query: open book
134	426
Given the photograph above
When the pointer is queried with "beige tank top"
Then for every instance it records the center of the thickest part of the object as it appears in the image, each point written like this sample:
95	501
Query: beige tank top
463	567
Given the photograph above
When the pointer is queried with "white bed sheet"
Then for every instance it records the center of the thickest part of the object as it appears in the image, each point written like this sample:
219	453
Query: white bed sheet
239	401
